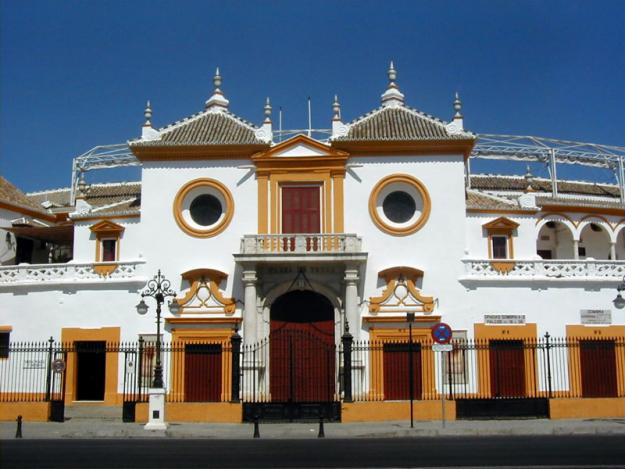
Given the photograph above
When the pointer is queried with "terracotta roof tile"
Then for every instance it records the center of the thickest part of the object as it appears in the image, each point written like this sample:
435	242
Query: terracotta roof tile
13	196
511	183
480	201
399	124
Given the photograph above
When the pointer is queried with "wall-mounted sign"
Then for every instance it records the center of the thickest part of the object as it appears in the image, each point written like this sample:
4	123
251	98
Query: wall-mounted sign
504	319
34	364
595	316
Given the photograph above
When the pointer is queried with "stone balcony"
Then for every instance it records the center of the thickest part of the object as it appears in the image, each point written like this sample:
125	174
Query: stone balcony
73	273
301	247
588	270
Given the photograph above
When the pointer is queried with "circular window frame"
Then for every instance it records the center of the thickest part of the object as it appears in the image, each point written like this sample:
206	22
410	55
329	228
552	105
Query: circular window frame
188	193
404	183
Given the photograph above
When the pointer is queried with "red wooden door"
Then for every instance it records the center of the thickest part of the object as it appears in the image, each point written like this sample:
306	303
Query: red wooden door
202	373
598	363
397	371
300	210
507	368
302	361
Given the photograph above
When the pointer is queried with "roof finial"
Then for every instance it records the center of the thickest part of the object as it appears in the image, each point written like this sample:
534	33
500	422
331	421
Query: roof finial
457	107
392	97
267	111
529	178
148	115
336	108
217	101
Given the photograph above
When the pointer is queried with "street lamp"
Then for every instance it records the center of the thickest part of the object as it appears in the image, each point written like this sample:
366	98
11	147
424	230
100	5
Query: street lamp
159	289
619	301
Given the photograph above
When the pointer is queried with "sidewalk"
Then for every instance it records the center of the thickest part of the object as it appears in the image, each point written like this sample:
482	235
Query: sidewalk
97	428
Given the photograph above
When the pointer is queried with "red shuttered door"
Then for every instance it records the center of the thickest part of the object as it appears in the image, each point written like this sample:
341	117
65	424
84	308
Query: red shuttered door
202	373
598	360
507	368
396	371
300	210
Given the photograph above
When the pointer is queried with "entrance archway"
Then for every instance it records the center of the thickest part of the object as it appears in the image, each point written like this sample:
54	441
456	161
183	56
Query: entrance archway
302	348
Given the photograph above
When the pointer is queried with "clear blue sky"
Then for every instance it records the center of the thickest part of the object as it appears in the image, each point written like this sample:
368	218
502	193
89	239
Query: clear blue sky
75	74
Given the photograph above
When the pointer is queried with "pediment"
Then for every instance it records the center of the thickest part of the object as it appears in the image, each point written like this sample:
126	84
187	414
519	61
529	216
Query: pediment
501	223
301	146
106	226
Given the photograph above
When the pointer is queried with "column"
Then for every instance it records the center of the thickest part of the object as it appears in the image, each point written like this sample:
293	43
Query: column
351	301
250	312
612	251
575	249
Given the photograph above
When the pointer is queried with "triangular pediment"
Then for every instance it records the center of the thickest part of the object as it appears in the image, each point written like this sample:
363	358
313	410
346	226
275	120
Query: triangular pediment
501	223
301	146
106	226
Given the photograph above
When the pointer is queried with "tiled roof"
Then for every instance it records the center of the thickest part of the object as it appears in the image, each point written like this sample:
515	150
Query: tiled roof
575	202
97	196
518	183
15	197
399	123
206	128
481	201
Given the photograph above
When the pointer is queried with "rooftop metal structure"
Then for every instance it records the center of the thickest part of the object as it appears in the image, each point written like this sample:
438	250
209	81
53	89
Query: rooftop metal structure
488	146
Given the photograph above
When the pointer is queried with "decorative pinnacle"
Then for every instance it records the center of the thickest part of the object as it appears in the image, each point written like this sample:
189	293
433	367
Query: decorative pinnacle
82	185
457	107
392	74
148	115
217	80
336	108
267	111
529	177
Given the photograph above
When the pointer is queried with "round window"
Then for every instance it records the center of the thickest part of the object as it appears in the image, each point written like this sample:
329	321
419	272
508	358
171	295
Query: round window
399	204
205	209
399	207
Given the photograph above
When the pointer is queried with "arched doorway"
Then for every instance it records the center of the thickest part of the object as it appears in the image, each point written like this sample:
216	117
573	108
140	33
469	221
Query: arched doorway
302	348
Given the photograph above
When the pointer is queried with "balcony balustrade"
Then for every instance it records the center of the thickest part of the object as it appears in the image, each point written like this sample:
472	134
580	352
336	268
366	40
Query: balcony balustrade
588	269
72	272
309	243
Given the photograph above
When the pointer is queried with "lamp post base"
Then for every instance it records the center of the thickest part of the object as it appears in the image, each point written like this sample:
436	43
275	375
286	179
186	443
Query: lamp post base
156	410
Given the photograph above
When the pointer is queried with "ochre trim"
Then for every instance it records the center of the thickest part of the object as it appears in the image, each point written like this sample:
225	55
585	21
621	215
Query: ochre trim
394	272
338	179
208	232
555	214
406	179
104	230
575	333
6	328
107	228
602	210
211	279
182	337
503	266
214	274
195	152
486	333
202	320
304	140
502	212
263	202
380	336
110	335
401	319
105	270
26	211
501	225
108	217
414	148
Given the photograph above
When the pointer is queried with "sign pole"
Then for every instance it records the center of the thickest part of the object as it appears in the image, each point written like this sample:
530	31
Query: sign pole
443	357
442	334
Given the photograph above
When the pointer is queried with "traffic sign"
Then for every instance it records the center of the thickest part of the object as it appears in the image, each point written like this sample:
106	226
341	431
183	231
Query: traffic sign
442	347
441	333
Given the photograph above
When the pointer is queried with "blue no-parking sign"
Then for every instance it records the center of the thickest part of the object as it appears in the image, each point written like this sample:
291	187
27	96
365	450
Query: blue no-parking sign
441	333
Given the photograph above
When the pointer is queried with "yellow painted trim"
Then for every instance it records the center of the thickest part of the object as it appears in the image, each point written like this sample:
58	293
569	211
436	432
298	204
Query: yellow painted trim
212	278
375	302
415	148
567	208
183	337
6	328
396	410
209	232
26	211
304	140
380	336
105	230
202	320
525	332
503	266
70	335
400	318
30	412
556	214
578	408
575	333
263	222
105	270
338	180
406	179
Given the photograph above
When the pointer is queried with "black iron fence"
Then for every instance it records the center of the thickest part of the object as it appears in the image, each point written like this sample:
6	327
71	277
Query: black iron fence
300	369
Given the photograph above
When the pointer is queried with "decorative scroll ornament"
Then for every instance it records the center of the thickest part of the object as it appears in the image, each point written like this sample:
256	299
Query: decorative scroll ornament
401	294
204	295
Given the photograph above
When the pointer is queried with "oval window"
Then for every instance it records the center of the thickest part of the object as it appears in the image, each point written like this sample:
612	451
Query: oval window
399	206
205	210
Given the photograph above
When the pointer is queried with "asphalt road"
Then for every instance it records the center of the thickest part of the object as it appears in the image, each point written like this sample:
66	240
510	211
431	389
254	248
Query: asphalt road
483	451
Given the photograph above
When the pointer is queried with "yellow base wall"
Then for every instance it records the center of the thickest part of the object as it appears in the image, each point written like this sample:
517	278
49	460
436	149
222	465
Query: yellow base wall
30	411
215	412
587	408
386	411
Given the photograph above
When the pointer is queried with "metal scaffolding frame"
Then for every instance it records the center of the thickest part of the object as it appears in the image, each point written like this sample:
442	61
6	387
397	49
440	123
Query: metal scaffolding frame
488	146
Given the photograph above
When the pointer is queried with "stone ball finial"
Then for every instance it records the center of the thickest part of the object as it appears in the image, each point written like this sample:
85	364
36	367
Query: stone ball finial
457	105
267	110
147	113
217	79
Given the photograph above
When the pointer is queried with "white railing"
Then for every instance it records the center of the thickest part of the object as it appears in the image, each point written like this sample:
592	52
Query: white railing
301	243
70	272
476	269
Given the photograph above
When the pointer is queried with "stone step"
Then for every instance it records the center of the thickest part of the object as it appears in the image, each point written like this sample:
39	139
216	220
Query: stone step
85	411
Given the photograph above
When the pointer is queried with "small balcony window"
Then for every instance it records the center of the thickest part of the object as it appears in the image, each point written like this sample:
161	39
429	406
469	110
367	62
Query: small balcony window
500	247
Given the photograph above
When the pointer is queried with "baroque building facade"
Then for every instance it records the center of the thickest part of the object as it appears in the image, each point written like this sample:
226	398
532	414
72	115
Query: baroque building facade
305	246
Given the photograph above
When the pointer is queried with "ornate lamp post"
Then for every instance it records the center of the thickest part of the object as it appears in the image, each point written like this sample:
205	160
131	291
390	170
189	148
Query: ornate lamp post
159	289
619	301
